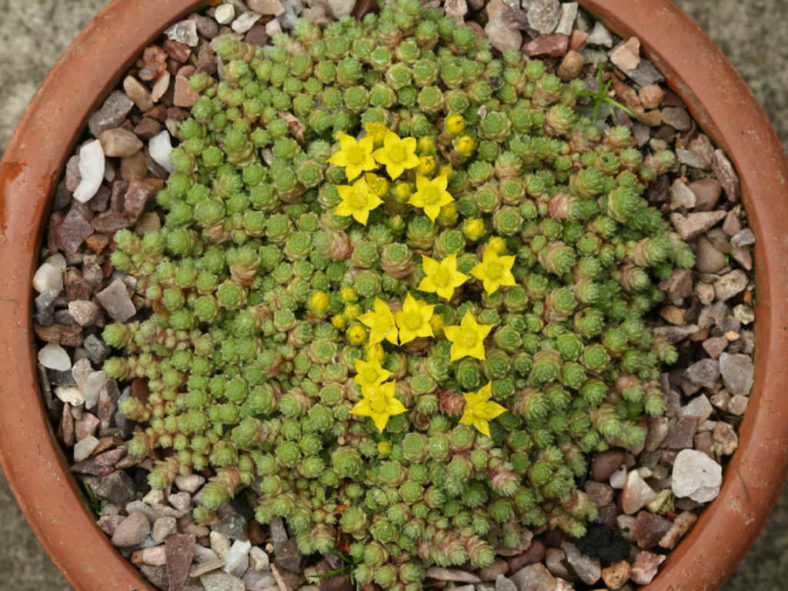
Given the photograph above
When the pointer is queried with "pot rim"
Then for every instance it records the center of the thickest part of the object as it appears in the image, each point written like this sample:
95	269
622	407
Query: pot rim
696	70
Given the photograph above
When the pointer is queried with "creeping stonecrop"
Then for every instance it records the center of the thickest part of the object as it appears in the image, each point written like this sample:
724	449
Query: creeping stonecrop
398	295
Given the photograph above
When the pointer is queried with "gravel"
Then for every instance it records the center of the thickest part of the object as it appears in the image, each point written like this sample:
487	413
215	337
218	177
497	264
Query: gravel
696	476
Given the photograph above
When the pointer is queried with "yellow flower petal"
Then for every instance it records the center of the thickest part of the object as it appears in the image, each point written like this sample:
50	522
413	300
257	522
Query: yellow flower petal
467	339
413	320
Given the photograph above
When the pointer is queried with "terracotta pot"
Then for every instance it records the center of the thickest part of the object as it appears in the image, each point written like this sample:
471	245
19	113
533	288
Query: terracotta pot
697	70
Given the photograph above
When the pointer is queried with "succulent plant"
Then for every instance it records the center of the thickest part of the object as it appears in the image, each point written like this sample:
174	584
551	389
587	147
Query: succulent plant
401	302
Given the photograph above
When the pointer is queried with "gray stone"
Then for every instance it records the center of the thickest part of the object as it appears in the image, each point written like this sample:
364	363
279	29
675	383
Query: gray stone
222	582
737	372
72	231
600	36
84	312
744	237
677	118
645	73
164	527
586	568
708	259
117	488
697	407
53	356
116	301
233	526
696	475
190	483
237	559
644	569
727	176
534	577
704	372
504	584
184	32
694	224
730	284
567	20
157	575
85	447
132	531
111	114
452	574
544	15
681	196
260	581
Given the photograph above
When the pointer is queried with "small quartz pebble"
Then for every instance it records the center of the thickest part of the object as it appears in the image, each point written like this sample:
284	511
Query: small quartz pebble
91	390
544	15
138	93
48	278
258	559
586	568
119	143
616	574
222	582
225	13
677	118
245	22
91	170
681	196
181	501
237	558
160	147
724	171
730	284
184	32
696	475
116	301
699	406
704	372
53	356
70	395
724	438
644	569
600	36
73	231
269	7
501	31
85	447
161	86
111	114
84	312
190	483
567	20
163	527
503	584
636	494
744	314
452	574
571	65
737	373
743	238
694	224
132	531
551	45
456	10
627	55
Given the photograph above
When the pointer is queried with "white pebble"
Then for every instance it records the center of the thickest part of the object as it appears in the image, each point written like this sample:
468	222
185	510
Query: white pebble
91	169
92	388
696	475
245	22
84	447
58	261
259	559
224	14
160	147
70	395
273	28
237	558
48	277
53	356
190	483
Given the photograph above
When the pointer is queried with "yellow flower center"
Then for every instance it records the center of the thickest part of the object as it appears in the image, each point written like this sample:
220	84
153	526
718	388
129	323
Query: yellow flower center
397	153
412	321
356	155
430	195
357	199
494	270
379	405
469	339
370	375
441	277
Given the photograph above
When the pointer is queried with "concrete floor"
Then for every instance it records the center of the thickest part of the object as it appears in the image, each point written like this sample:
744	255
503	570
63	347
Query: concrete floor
751	33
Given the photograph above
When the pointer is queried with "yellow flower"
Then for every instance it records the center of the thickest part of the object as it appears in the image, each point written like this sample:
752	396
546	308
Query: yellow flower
494	271
426	165
354	155
431	195
467	339
319	302
397	154
473	228
377	184
356	334
454	124
427	145
369	374
441	278
379	404
414	319
357	201
377	131
375	352
380	322
464	145
479	409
